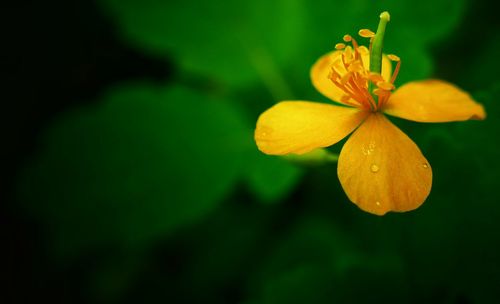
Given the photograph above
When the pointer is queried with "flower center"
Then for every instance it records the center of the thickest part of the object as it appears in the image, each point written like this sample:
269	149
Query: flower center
364	88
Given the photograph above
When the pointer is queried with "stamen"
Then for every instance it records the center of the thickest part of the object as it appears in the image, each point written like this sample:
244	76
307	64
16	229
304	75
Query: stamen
361	89
332	76
395	58
355	45
356	66
340	46
338	65
345	74
382	95
345	78
396	71
350	93
366	33
348	54
349	74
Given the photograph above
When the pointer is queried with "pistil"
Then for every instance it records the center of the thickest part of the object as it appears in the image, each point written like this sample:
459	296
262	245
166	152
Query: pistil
378	42
376	50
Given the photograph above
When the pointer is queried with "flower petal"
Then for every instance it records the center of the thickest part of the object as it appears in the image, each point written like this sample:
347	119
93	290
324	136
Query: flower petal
301	126
433	101
322	68
381	169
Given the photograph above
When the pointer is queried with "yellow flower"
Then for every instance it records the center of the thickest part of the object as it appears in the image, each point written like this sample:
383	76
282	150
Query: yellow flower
380	168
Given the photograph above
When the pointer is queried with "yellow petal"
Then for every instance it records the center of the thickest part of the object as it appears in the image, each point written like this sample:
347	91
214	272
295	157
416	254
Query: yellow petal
433	101
322	68
301	126
381	169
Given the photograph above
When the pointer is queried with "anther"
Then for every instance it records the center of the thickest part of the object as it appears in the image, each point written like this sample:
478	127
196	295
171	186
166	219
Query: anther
366	33
393	57
347	38
339	46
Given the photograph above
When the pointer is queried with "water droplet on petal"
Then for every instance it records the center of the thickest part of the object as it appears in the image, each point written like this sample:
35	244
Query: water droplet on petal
368	149
425	166
374	168
377	203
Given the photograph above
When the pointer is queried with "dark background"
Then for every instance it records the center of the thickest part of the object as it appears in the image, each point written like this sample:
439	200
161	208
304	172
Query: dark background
131	176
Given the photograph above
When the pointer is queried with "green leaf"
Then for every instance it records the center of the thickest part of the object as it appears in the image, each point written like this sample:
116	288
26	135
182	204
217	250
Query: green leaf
225	247
233	41
474	74
317	262
142	163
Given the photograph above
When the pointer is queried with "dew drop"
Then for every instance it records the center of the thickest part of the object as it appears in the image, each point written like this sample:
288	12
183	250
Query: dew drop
374	168
368	149
377	203
425	166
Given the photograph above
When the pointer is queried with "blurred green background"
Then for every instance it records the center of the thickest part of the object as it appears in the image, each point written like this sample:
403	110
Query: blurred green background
131	174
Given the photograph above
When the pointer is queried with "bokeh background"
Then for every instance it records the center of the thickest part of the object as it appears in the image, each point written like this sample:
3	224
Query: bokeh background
131	175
